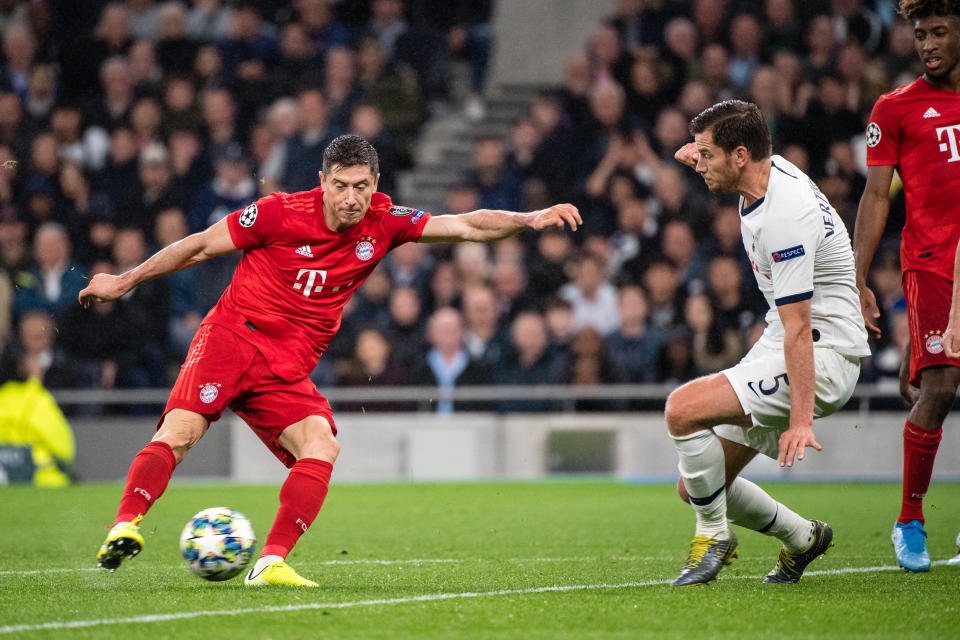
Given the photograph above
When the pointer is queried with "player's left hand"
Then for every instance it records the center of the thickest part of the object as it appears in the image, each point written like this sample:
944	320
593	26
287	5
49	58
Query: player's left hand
557	216
792	443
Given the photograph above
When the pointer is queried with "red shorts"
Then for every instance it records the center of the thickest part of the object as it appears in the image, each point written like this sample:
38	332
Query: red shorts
928	310
222	370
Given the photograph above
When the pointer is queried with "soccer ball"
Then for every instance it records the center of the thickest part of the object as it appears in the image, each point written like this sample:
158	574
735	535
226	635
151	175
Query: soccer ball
218	543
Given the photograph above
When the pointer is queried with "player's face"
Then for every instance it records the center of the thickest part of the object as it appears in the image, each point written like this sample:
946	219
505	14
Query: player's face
346	195
937	40
716	166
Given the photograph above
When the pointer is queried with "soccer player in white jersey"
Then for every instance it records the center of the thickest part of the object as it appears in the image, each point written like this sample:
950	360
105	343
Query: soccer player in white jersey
804	366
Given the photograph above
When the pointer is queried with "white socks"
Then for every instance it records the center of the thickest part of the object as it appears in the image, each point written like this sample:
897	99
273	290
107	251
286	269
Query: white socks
264	562
751	507
702	468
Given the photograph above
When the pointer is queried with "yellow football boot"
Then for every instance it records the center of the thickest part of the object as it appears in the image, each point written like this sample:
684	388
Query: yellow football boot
123	541
278	574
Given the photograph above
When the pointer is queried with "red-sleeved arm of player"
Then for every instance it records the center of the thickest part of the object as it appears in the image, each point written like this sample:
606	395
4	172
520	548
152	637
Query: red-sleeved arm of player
883	134
255	224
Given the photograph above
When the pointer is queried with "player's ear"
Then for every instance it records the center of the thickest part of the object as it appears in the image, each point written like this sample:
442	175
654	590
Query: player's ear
320	173
376	181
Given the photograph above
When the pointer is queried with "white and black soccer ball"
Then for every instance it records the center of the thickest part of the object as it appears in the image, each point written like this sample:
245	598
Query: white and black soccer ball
218	543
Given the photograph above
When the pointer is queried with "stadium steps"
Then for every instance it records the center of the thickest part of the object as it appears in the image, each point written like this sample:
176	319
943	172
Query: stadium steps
445	147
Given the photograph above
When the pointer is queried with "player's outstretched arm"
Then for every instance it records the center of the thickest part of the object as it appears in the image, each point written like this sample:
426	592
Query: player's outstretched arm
485	225
871	219
193	249
798	354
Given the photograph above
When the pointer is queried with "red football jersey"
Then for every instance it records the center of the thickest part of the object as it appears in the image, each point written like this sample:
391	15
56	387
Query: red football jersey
916	128
288	292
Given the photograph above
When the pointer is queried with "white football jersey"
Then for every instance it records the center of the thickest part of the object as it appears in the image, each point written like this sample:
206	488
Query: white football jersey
800	250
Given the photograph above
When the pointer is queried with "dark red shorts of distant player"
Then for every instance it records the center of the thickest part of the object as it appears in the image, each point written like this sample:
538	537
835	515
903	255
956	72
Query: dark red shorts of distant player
928	309
222	370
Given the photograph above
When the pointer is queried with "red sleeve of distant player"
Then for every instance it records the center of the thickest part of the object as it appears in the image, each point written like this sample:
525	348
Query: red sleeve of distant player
883	134
253	225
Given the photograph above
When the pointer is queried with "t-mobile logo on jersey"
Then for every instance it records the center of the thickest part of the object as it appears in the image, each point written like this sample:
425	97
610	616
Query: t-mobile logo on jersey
311	278
950	144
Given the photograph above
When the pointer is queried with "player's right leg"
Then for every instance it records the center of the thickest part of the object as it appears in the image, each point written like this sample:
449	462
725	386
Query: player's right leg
691	412
147	479
921	439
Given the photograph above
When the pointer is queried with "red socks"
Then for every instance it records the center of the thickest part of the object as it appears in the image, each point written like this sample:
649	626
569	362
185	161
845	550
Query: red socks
301	497
919	452
147	479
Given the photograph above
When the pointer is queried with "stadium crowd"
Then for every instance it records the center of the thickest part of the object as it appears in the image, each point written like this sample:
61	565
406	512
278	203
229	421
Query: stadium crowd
125	126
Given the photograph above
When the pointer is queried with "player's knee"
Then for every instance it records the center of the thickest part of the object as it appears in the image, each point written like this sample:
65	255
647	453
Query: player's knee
939	395
682	490
181	433
676	414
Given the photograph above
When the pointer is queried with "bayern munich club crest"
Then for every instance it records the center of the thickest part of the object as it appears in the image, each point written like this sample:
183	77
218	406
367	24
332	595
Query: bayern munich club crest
365	248
209	392
933	342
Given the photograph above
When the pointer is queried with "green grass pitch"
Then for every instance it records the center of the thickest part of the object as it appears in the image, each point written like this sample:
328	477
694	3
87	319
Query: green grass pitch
553	559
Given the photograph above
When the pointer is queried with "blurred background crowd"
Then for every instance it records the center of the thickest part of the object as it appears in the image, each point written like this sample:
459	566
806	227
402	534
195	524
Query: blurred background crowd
126	125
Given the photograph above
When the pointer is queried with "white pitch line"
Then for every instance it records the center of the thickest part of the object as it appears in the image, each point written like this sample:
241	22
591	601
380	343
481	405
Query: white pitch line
430	597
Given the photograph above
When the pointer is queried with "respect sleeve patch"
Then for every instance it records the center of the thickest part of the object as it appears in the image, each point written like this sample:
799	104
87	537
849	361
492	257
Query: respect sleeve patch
788	254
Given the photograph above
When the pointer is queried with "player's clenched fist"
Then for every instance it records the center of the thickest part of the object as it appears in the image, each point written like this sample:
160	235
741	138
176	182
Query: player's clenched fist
951	342
103	287
688	155
557	216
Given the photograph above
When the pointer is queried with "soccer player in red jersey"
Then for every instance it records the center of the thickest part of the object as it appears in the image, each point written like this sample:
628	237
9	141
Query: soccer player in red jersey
915	130
304	255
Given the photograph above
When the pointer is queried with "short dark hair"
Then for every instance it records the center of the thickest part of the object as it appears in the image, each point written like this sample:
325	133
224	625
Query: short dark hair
735	123
350	151
916	9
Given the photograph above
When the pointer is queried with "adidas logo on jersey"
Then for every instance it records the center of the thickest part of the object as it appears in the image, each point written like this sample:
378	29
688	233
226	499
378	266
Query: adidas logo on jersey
931	113
305	251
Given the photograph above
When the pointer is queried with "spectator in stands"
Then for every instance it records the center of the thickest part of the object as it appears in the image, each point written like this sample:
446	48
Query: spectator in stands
635	346
372	299
372	365
145	72
409	265
36	443
551	266
676	358
745	41
509	282
116	99
156	190
530	362
678	245
591	364
6	307
489	174
405	327
209	20
322	27
593	298
716	345
484	335
14	253
304	150
220	119
726	289
448	364
340	86
232	188
19	49
54	283
15	131
560	327
660	283
445	286
146	118
39	354
176	50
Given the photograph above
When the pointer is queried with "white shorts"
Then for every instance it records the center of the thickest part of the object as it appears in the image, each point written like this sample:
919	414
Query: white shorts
760	382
